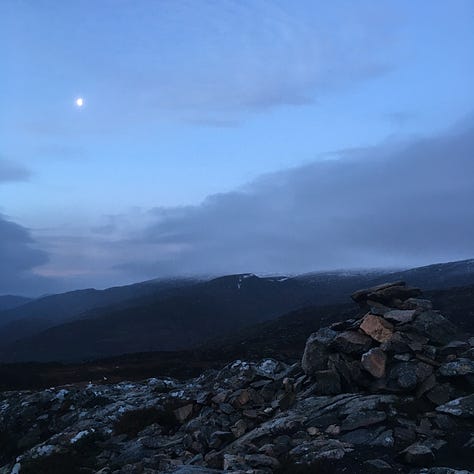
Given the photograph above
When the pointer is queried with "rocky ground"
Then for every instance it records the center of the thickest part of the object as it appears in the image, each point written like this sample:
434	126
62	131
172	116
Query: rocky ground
391	391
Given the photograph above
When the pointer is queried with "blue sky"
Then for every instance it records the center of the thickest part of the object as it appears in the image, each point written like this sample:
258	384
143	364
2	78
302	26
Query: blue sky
190	99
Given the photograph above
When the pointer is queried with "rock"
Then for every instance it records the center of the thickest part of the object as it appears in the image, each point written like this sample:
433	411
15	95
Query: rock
184	412
377	328
239	428
361	296
196	470
440	394
220	397
454	347
362	419
418	454
316	353
435	326
370	437
287	399
462	407
390	295
327	382
404	436
427	385
333	430
310	452
457	368
218	438
399	316
261	460
404	375
418	303
233	462
443	470
351	342
377	465
374	362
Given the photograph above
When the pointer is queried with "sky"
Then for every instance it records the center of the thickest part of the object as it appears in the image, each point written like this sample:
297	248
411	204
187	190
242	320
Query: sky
232	136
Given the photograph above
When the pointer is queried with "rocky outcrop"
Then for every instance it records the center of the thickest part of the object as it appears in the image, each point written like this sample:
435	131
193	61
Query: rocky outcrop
391	391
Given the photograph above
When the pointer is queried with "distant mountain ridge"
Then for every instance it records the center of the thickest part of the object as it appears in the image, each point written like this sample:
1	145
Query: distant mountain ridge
178	315
42	313
12	301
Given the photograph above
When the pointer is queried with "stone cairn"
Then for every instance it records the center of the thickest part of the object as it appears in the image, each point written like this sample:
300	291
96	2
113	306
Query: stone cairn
400	345
391	391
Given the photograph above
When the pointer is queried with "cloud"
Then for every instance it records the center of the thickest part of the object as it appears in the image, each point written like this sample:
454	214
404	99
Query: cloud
390	205
400	118
216	64
248	56
18	257
11	171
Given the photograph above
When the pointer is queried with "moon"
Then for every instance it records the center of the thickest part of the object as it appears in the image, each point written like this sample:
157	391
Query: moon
79	101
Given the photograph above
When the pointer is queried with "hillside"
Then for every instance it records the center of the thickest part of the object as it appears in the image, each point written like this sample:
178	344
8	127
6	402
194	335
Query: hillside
181	314
11	301
283	338
42	313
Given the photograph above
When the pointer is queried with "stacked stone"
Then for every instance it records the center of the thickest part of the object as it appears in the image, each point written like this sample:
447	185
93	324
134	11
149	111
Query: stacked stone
399	345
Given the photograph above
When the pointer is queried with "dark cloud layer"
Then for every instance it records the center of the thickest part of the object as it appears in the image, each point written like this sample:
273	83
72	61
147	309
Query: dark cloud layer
10	171
391	205
18	257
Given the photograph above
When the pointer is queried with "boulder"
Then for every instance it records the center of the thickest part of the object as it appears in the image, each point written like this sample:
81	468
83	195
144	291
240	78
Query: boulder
361	296
434	326
400	316
316	352
391	295
351	342
377	328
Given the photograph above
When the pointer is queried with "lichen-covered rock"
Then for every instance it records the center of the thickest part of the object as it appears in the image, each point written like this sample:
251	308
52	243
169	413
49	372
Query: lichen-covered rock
457	368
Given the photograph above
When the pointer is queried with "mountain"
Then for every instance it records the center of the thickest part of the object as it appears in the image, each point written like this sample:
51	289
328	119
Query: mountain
437	276
179	321
184	316
37	315
12	301
337	285
283	338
